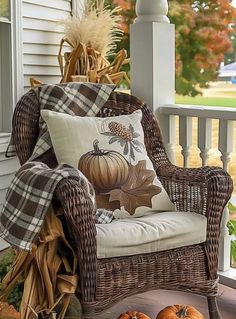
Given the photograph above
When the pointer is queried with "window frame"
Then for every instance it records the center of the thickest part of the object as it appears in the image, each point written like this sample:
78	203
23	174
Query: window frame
11	64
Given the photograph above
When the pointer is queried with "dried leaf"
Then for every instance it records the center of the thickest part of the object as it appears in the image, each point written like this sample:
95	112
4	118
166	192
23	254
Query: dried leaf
138	190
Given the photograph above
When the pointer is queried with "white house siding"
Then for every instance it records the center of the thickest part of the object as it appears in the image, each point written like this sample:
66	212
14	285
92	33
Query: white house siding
41	38
7	168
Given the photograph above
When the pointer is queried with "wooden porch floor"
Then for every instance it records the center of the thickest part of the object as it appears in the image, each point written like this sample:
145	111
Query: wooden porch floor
152	302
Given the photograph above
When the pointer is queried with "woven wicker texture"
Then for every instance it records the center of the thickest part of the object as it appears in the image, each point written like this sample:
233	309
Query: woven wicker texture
203	190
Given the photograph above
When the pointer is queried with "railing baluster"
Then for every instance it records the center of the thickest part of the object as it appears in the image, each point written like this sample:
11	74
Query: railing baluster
204	138
185	137
226	141
226	148
168	123
224	243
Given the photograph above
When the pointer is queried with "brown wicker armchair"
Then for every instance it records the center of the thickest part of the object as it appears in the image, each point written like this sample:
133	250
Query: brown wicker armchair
203	190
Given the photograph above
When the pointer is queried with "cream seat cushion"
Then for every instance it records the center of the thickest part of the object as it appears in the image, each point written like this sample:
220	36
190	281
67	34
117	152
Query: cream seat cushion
155	232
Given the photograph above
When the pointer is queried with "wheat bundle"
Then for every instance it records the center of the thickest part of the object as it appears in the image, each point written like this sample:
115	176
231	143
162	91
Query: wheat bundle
92	37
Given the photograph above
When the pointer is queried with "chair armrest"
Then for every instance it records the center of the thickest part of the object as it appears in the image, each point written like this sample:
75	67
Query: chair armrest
204	190
196	189
79	209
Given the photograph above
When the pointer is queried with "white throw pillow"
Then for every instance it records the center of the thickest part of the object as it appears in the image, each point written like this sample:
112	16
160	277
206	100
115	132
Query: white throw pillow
111	153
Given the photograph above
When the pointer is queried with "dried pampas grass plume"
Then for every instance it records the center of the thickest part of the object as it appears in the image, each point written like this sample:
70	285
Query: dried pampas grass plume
97	27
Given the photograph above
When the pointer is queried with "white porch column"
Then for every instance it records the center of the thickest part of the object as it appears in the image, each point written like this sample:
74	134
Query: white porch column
152	54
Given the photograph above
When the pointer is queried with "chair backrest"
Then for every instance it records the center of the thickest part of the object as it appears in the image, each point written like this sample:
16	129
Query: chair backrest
26	118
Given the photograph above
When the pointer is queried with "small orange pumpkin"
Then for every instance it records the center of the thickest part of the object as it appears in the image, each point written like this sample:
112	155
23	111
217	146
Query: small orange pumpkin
8	311
133	315
179	311
106	170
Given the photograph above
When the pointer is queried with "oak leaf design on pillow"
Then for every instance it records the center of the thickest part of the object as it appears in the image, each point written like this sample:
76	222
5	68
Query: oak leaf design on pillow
138	189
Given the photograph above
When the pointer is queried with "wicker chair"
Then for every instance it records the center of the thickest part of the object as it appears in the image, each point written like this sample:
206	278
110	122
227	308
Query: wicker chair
203	190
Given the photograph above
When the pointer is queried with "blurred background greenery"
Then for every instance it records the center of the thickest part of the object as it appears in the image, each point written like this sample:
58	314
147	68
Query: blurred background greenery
5	8
205	38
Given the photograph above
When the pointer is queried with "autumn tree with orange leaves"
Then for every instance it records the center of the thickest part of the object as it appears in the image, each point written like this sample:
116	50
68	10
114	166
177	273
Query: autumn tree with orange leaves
128	15
203	31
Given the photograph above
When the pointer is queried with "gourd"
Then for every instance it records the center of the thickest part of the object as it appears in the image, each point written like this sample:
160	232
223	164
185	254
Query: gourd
106	170
179	311
133	315
8	311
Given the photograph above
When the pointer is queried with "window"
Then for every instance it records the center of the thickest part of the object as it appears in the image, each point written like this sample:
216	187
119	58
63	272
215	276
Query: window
5	64
5	9
10	60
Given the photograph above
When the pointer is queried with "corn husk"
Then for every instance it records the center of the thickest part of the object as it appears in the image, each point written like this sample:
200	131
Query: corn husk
50	279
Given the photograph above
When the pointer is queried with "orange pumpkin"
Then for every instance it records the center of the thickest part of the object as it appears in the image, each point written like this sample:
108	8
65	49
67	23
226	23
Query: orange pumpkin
179	311
106	170
133	315
8	311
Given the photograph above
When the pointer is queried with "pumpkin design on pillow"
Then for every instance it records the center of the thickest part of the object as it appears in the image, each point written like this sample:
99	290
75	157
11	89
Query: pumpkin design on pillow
115	180
105	169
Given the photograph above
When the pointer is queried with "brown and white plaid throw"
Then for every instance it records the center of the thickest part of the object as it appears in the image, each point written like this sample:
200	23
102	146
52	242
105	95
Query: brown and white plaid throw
28	199
31	191
82	99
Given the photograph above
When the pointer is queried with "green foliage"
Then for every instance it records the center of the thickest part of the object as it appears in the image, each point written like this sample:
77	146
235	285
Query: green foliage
231	207
230	57
233	249
6	262
232	231
203	36
128	16
5	265
4	8
232	227
205	100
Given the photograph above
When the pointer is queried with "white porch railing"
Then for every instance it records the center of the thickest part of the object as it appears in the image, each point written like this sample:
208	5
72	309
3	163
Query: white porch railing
152	47
204	115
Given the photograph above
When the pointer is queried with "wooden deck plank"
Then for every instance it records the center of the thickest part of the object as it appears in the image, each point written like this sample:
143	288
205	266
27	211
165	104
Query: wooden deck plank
152	302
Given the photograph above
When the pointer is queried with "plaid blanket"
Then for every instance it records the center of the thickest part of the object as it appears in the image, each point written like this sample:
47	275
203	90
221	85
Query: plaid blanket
82	99
28	199
30	193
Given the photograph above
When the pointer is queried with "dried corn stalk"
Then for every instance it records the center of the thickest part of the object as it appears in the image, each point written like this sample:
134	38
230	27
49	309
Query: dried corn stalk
83	61
49	277
92	38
